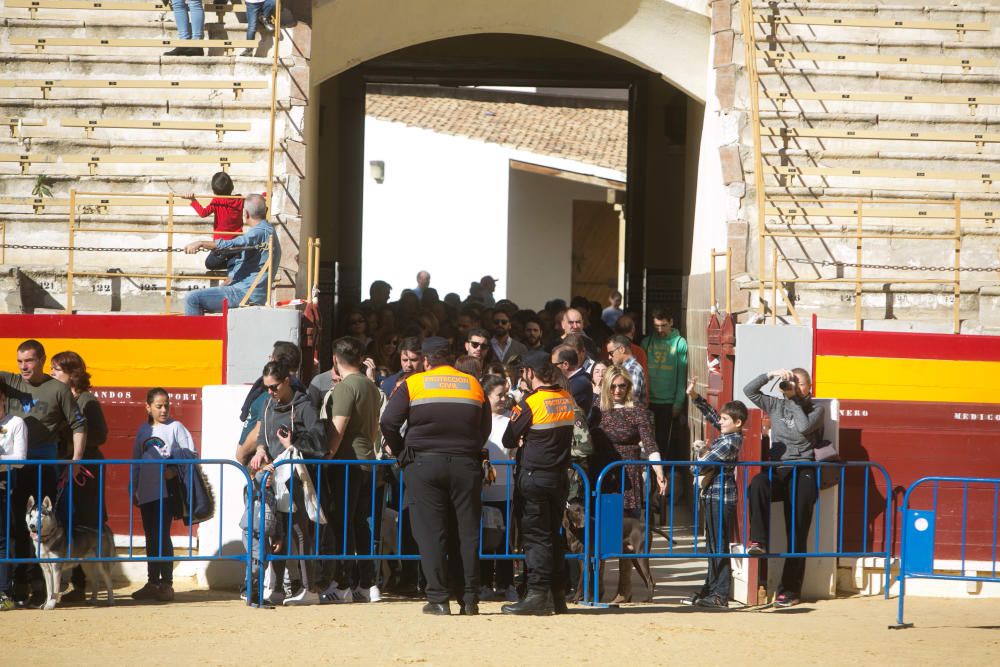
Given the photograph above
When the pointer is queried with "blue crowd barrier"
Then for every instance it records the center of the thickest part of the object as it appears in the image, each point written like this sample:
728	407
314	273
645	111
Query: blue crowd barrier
342	468
42	489
921	526
608	536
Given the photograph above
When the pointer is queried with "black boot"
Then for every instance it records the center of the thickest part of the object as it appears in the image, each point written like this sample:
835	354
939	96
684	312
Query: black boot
559	601
437	609
536	603
469	609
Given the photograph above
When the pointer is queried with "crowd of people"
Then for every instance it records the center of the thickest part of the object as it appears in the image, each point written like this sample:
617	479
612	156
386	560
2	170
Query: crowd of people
443	386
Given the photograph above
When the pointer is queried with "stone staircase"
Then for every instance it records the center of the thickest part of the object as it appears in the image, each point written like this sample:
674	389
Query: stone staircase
906	132
35	278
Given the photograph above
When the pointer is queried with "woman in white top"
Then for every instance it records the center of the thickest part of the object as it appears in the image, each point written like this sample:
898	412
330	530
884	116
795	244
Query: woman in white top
13	447
497	576
166	436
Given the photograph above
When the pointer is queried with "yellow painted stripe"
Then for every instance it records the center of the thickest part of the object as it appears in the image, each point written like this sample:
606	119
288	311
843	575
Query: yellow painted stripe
131	362
888	379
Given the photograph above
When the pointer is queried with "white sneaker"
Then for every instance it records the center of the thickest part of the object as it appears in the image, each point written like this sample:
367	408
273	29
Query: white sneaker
335	595
511	594
374	594
304	598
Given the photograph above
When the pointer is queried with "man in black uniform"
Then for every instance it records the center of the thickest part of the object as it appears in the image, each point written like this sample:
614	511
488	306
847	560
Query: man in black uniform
542	426
448	422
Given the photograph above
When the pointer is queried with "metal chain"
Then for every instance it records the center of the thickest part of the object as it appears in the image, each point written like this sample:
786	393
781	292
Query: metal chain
17	246
894	267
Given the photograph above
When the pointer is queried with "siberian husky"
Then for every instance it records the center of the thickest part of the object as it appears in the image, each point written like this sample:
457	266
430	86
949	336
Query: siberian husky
51	541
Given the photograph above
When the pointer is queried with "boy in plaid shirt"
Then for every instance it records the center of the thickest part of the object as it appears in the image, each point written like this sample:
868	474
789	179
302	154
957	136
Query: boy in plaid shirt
718	495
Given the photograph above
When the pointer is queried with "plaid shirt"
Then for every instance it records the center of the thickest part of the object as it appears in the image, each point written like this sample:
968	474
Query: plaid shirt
724	448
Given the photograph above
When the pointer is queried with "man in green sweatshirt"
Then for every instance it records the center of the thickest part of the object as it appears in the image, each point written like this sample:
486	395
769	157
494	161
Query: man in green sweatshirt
46	405
667	353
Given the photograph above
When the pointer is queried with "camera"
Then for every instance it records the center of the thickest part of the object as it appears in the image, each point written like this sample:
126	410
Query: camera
786	385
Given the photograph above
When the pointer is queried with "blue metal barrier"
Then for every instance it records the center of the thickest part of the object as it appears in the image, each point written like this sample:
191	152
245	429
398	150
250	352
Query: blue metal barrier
920	528
371	553
66	471
604	551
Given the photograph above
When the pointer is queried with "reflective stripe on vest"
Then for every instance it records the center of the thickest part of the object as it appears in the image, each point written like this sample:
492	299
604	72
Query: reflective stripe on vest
551	409
444	384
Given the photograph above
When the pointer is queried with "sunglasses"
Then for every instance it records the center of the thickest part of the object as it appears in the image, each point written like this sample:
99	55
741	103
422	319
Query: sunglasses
501	321
273	387
619	385
476	345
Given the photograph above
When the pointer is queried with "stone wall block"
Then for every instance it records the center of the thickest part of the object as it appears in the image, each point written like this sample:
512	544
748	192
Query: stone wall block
732	167
723	49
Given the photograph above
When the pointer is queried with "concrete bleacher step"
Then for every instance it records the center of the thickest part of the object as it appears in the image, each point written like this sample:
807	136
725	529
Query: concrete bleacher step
40	287
116	27
122	64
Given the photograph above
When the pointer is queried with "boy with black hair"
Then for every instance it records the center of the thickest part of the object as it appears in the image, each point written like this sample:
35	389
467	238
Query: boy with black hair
718	494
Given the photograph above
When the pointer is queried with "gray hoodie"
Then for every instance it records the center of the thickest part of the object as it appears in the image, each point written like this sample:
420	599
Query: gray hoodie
796	425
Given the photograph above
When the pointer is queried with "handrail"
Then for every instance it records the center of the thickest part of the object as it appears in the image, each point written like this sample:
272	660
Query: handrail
80	198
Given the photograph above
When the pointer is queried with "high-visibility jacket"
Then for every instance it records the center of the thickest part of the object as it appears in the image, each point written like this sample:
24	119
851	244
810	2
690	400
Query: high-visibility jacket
544	419
445	411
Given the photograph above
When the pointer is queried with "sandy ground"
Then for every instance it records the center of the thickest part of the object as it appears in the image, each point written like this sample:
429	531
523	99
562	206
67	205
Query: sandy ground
215	628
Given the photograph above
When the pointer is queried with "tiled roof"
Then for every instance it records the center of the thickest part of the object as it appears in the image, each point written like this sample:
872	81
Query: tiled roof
590	135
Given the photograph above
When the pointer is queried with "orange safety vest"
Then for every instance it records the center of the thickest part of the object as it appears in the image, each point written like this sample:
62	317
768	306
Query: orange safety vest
551	408
444	384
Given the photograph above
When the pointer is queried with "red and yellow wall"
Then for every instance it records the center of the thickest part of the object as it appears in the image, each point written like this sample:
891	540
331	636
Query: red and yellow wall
127	355
919	405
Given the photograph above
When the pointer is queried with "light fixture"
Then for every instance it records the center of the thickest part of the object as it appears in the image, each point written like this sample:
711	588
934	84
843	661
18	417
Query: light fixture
377	169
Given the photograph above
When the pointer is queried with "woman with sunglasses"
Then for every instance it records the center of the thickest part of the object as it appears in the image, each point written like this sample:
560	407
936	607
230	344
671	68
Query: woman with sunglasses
626	428
289	421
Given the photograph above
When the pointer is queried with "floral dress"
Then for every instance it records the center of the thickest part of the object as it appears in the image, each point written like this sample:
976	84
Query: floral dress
629	431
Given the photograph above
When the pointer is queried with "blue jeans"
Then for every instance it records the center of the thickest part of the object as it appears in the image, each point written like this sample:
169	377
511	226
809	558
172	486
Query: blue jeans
193	28
208	300
257	10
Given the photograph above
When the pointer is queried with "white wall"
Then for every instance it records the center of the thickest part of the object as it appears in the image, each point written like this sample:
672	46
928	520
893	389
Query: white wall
540	236
442	207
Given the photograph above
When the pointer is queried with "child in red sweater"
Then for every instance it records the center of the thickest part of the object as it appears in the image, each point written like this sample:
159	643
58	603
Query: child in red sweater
228	217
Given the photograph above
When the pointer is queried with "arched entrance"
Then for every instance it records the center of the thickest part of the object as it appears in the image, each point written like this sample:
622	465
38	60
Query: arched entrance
664	120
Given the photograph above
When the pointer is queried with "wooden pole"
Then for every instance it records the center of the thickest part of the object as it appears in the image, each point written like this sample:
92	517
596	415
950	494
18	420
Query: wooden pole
314	287
711	284
270	267
275	61
774	287
957	311
170	251
72	240
857	270
758	159
729	274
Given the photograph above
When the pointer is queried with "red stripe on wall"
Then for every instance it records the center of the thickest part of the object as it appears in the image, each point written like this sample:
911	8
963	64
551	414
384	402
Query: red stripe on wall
907	345
170	327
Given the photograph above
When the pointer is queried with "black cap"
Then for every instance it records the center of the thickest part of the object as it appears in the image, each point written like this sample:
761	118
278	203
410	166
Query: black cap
434	344
536	360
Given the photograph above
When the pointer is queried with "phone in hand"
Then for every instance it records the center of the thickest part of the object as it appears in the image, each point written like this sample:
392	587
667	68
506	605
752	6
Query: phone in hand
283	431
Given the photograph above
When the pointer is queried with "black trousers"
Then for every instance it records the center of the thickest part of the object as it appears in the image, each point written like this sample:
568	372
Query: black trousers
356	514
544	496
437	483
762	492
718	579
156	521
